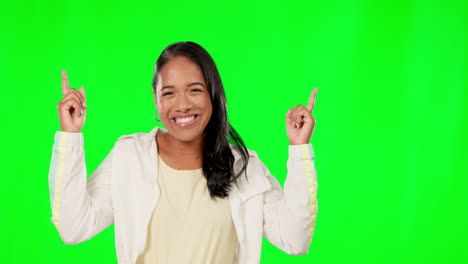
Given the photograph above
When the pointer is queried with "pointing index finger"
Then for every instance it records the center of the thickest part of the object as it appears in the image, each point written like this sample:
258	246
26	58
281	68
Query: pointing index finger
64	82
311	103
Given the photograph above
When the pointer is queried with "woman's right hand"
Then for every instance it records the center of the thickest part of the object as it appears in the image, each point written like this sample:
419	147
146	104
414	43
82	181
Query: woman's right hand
72	107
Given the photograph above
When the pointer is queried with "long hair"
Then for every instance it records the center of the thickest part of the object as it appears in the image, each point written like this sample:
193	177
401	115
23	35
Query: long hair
218	160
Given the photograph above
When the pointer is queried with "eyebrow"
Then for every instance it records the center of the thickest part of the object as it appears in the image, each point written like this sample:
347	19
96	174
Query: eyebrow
190	84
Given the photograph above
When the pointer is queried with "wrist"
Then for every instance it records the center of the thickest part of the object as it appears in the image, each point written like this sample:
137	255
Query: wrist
301	152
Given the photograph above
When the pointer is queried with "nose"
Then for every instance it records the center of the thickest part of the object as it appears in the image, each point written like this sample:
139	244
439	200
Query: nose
183	103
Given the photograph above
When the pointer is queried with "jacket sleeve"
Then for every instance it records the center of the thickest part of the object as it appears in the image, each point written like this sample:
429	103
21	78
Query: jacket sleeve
289	215
81	207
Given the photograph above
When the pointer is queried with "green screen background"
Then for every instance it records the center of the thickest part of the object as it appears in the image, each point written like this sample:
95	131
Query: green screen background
391	110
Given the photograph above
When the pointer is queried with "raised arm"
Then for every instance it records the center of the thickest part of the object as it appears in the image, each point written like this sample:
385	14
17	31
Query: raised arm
290	214
81	207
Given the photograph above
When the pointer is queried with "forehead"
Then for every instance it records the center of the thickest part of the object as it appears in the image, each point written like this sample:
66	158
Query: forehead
181	69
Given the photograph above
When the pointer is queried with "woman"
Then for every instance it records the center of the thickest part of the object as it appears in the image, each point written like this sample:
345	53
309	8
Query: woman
184	194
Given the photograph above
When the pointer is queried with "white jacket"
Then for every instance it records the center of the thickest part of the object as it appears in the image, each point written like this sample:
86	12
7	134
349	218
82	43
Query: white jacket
123	190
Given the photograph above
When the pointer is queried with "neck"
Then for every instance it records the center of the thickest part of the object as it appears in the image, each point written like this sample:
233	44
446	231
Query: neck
186	149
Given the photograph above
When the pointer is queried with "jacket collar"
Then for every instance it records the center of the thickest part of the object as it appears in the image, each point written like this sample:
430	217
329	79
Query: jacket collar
149	138
255	184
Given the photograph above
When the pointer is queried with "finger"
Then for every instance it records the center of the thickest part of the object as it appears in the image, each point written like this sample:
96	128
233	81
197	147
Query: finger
289	121
83	114
64	82
75	96
301	116
74	92
301	113
83	96
296	111
304	116
298	119
294	117
67	105
78	94
311	103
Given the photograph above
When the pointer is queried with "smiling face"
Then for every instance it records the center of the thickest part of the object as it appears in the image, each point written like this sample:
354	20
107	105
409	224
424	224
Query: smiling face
183	100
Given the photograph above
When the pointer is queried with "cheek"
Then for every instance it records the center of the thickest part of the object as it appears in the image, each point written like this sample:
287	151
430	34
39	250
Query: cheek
207	116
162	106
206	103
162	111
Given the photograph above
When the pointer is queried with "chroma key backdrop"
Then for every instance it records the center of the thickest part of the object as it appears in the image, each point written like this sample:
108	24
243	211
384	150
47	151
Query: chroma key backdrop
390	141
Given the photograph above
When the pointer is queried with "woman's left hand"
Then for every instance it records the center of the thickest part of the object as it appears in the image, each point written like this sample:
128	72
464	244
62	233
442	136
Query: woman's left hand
300	122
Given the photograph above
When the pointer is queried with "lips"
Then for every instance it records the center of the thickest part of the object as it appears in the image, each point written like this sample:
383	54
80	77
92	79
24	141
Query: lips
184	120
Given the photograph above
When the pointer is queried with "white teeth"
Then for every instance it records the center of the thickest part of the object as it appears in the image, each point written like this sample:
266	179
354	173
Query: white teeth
184	120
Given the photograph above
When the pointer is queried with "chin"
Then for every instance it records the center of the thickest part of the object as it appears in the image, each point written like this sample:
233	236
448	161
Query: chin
186	137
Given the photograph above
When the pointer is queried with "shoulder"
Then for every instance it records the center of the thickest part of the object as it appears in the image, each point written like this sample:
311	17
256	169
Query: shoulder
135	140
256	172
254	164
128	140
141	136
236	153
129	137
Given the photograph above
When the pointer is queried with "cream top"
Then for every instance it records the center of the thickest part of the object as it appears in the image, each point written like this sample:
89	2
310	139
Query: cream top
186	225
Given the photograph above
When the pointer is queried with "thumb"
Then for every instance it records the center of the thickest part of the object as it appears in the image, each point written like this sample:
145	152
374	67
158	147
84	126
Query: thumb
82	91
289	121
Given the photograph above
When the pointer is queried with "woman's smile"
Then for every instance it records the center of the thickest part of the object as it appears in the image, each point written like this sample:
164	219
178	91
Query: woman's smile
184	120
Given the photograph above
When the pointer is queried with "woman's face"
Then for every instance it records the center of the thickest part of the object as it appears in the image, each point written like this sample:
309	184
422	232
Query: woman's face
182	99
